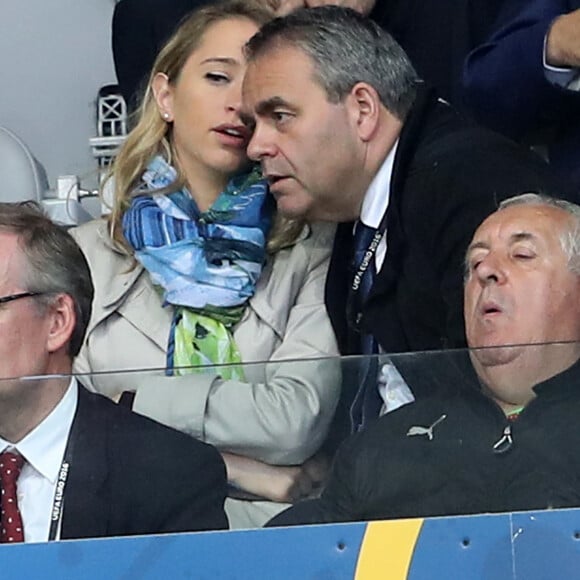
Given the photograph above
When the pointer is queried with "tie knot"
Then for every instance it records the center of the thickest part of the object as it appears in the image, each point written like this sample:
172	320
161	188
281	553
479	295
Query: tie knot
10	466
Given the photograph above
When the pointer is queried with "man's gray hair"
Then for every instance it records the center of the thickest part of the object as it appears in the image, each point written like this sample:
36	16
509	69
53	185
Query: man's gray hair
345	48
54	263
570	239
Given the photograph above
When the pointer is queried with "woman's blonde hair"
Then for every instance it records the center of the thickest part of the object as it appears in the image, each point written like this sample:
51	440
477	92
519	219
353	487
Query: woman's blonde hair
151	135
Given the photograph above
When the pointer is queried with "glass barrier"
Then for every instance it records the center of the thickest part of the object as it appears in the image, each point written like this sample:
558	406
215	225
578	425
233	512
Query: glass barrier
435	433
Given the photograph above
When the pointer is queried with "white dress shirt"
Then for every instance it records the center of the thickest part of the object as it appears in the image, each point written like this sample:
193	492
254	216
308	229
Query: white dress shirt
392	387
376	202
43	448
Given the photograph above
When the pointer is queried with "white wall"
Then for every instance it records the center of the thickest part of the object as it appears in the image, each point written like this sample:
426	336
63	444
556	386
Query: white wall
54	57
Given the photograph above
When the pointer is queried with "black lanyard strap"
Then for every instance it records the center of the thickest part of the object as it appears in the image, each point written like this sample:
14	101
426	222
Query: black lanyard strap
366	261
358	290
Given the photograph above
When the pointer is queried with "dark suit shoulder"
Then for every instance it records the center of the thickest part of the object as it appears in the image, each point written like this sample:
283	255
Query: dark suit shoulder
158	479
132	429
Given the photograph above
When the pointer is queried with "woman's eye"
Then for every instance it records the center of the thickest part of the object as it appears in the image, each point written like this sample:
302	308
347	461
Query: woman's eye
217	77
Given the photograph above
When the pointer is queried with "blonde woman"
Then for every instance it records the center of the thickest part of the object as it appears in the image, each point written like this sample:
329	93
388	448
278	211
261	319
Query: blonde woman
193	267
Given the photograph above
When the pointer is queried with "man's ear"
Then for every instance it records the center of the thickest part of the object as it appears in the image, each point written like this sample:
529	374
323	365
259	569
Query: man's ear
62	322
364	106
163	93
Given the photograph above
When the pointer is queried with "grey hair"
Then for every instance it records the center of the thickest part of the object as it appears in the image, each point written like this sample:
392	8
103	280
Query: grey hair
570	239
54	263
345	48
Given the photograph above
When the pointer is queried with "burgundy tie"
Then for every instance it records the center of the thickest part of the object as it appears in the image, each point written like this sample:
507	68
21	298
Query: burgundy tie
11	526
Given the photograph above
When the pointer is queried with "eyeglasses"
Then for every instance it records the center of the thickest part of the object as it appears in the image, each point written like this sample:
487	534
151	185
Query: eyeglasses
5	299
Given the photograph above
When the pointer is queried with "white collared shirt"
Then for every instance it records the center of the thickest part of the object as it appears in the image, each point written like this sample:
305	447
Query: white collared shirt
376	202
392	388
43	448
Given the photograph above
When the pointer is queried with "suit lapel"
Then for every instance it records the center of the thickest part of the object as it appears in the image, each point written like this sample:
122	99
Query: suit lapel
86	509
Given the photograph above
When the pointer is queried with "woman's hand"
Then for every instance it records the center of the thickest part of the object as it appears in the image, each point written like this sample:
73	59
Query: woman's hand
273	482
563	42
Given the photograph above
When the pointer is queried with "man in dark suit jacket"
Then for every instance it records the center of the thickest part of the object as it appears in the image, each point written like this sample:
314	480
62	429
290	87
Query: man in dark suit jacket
345	132
523	80
74	464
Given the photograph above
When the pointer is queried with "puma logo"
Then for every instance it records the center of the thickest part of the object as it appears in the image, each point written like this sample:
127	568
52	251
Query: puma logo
425	430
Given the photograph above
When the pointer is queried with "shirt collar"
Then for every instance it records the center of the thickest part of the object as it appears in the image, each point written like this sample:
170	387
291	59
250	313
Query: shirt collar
43	448
376	200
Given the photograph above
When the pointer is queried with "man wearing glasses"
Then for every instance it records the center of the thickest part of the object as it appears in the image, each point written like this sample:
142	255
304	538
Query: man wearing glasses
73	464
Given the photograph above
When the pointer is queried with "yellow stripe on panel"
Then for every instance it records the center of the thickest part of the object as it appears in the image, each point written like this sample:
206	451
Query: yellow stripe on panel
387	549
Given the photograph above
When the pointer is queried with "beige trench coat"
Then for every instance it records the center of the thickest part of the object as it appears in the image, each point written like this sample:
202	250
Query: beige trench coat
281	414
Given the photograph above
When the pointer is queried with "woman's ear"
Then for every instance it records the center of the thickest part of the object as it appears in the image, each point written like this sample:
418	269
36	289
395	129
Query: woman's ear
364	105
163	93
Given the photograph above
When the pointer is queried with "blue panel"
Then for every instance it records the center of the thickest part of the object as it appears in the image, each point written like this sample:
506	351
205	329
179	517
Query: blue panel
547	544
463	547
321	552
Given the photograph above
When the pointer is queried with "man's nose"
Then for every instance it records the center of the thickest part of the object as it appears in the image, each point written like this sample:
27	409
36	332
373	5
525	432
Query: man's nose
260	145
491	269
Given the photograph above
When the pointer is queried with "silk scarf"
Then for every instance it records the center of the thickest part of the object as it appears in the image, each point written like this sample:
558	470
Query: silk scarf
206	264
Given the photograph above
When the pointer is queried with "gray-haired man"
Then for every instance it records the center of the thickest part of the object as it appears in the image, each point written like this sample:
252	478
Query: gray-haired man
496	429
73	464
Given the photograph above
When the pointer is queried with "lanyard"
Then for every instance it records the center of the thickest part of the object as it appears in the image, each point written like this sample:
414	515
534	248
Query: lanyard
58	501
366	261
355	300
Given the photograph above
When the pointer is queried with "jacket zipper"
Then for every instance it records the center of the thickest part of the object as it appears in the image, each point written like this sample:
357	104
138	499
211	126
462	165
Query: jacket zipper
506	441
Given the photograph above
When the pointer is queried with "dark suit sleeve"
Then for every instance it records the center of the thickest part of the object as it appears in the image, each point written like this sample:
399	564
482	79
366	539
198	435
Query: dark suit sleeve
191	490
504	80
163	480
197	500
